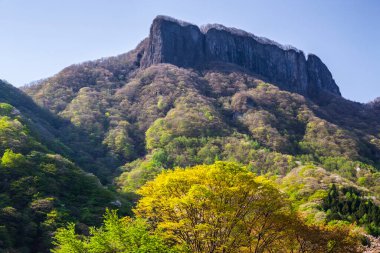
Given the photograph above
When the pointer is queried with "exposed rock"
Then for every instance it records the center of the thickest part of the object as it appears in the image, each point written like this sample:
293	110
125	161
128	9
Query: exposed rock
175	42
319	77
186	45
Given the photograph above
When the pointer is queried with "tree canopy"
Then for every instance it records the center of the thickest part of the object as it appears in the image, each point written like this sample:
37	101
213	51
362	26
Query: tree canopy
116	235
225	208
219	208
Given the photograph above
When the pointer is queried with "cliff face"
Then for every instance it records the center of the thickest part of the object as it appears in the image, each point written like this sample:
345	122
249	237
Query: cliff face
173	42
186	45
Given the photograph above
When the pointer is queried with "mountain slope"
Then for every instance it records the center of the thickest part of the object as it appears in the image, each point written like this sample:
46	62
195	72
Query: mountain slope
134	108
295	124
40	188
61	135
189	95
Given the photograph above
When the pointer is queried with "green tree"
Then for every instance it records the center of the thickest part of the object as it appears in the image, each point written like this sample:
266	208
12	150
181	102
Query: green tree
225	208
116	235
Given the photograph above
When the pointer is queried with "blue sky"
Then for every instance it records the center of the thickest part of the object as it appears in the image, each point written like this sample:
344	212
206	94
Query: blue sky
40	37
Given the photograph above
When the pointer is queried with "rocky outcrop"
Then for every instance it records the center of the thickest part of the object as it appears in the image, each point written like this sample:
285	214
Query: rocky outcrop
175	42
186	45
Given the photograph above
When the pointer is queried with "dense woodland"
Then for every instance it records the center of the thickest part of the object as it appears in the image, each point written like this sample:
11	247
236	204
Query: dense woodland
210	208
106	156
41	191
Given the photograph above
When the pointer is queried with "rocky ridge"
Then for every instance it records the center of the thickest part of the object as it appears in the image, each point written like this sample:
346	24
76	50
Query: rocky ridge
186	45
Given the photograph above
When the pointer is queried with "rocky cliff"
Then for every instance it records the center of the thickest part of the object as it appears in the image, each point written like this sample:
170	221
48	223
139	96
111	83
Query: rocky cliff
186	45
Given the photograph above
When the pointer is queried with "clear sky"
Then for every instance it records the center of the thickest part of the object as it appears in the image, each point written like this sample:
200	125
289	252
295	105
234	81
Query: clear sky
40	37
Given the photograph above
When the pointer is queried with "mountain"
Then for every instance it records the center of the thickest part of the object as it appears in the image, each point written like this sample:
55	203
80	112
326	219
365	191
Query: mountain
188	95
186	45
211	82
40	188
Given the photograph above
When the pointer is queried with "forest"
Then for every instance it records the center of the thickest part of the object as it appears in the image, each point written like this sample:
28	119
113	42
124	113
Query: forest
113	156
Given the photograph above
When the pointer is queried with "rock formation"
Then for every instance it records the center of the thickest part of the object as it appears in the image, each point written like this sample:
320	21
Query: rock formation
186	45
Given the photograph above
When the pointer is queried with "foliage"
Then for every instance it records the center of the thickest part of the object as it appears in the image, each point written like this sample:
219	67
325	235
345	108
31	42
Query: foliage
325	139
348	204
119	141
113	114
40	190
225	208
163	103
116	235
188	151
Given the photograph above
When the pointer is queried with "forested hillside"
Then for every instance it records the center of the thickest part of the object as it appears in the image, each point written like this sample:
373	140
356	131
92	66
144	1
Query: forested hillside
196	117
40	188
213	152
200	117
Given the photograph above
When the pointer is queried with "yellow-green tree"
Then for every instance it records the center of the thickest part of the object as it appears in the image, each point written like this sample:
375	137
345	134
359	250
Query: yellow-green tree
116	235
225	208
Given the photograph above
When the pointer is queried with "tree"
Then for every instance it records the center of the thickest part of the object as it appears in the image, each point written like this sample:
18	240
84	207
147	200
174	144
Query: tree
117	235
225	208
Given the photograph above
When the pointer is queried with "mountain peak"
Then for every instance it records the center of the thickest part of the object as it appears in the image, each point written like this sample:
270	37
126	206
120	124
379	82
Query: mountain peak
173	20
187	45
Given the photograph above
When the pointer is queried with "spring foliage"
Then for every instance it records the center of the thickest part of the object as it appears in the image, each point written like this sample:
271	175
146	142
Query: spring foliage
225	208
116	235
209	208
